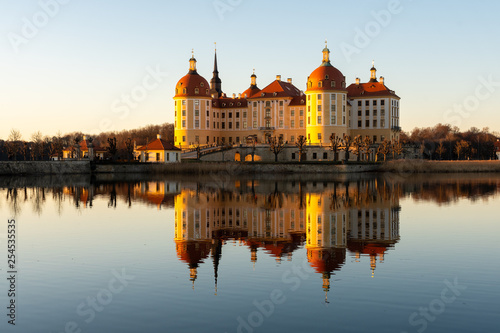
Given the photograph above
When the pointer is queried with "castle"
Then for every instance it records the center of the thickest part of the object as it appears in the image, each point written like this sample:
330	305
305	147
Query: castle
205	115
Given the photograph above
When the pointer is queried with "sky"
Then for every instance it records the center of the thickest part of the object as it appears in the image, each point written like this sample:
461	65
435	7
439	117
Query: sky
93	66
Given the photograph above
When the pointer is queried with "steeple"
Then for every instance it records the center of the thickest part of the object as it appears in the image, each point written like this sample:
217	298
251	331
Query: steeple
326	55
373	71
216	82
216	255
192	64
253	84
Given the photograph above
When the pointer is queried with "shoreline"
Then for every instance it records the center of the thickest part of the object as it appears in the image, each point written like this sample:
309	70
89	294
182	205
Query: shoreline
27	168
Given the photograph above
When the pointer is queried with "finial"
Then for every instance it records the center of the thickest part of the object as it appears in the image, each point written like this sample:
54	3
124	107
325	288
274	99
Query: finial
326	43
373	63
254	71
215	43
192	53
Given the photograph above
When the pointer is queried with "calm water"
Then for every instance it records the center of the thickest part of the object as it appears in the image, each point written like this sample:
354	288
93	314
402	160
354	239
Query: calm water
383	253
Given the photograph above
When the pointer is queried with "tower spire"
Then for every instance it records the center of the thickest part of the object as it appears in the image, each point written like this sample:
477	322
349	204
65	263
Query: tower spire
216	82
326	55
373	71
192	63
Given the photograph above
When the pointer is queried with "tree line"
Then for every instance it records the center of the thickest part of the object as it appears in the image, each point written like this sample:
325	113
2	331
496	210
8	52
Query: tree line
43	148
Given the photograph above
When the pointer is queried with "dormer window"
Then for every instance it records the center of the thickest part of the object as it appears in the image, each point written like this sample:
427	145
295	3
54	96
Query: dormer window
263	94
343	84
310	84
207	91
320	84
327	77
333	84
184	91
202	84
176	91
196	91
275	94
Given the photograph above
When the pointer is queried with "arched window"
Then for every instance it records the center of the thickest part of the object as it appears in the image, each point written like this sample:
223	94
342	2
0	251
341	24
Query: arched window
320	84
184	91
196	91
333	84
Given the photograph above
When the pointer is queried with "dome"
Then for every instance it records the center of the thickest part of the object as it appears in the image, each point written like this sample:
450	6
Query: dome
326	77
192	85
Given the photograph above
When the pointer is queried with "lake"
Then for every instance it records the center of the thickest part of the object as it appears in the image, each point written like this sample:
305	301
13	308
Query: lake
351	253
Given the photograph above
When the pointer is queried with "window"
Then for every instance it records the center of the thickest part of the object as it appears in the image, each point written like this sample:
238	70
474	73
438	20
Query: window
245	124
237	114
334	97
237	125
301	124
374	102
230	115
208	123
254	104
268	113
292	139
223	125
359	124
374	138
183	113
197	123
319	136
208	103
183	102
308	120
268	123
382	138
333	84
196	113
168	156
254	124
223	115
319	97
319	108
196	102
334	108
255	114
375	112
184	139
268	103
320	84
309	108
382	102
325	156
367	103
333	120
208	113
382	122
293	156
301	113
184	91
367	113
315	156
319	120
309	137
292	124
183	124
230	125
359	103
244	114
292	113
367	123
281	123
157	157
281	103
281	113
375	123
360	113
382	113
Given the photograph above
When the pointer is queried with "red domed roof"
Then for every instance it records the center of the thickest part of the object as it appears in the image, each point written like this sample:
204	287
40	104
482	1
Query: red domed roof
192	85
326	259
326	74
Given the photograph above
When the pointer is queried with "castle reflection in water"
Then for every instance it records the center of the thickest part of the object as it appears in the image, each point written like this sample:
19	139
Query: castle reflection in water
332	219
277	218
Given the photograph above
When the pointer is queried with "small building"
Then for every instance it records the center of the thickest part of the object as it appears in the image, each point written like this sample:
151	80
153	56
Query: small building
71	152
497	148
159	151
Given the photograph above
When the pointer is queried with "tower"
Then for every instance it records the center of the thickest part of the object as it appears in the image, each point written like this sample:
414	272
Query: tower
216	82
326	102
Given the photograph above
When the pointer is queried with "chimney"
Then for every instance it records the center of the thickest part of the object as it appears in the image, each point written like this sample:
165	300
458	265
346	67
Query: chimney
289	80
278	77
234	96
382	79
239	95
357	81
158	136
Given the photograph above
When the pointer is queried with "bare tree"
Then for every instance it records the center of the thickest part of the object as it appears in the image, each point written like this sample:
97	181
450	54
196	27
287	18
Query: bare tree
397	148
301	144
441	149
346	146
37	147
366	147
461	147
384	148
357	143
112	149
14	144
129	146
335	144
276	145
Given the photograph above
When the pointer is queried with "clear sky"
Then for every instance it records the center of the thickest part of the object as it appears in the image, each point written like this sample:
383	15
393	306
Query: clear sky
68	65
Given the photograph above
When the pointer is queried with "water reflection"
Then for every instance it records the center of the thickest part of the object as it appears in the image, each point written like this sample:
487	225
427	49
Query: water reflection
333	219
